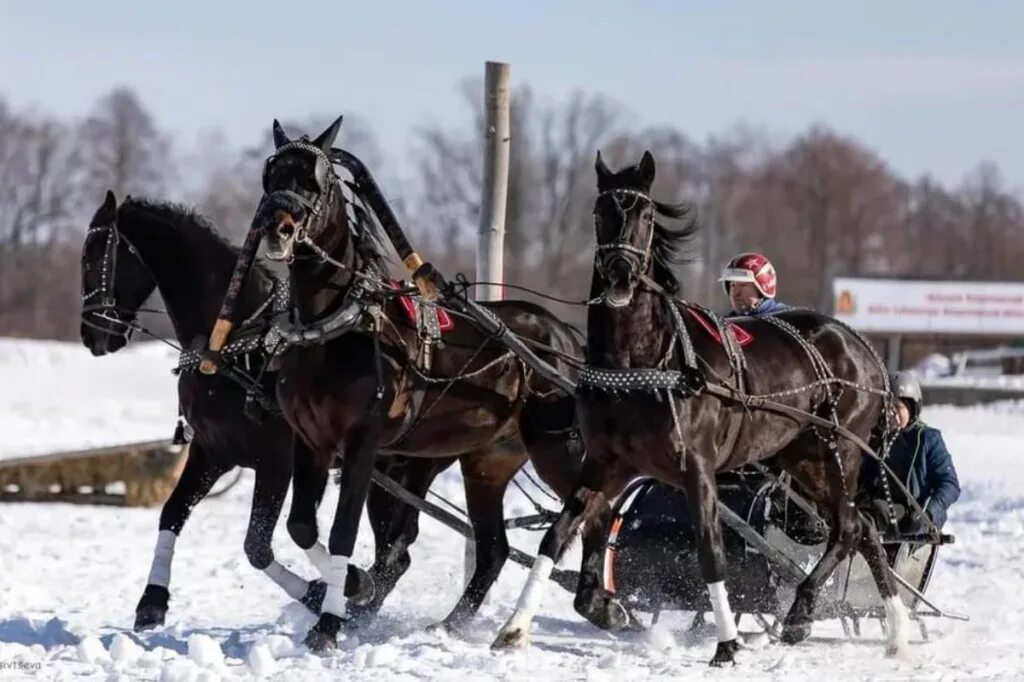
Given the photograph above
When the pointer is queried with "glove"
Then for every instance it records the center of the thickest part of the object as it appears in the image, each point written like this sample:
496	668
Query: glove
914	524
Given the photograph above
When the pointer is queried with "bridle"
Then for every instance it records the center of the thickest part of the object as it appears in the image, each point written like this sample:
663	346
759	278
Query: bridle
326	181
637	258
106	309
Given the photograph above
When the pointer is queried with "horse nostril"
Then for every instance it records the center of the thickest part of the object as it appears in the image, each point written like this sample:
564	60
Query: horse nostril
285	224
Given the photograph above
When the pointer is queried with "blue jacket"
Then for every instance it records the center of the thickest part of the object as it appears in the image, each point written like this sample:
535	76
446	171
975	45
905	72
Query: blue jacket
767	306
920	458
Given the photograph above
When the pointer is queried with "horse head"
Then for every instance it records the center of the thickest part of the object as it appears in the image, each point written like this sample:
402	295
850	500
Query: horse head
624	225
302	194
115	282
631	245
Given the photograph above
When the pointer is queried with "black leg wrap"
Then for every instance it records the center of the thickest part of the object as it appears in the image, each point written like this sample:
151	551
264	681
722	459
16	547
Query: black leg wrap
725	653
324	635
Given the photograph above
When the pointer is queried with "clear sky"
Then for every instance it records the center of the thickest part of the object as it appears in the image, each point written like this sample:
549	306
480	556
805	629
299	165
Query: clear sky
930	85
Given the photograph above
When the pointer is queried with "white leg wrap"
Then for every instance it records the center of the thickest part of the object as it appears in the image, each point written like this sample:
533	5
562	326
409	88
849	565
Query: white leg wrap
318	556
160	571
724	621
899	626
335	600
533	591
295	586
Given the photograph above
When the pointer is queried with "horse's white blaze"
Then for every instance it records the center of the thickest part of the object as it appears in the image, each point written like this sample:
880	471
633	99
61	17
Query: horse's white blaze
529	599
292	584
163	555
318	556
335	575
898	624
724	621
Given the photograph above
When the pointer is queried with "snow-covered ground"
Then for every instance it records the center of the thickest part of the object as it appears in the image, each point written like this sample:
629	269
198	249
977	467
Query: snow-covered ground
70	576
57	396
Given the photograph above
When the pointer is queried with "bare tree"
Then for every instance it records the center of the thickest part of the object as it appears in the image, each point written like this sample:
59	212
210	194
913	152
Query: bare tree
229	181
37	213
995	224
548	227
823	206
122	149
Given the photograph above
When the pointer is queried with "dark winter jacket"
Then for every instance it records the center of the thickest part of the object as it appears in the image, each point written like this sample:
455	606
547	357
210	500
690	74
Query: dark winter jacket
767	306
920	458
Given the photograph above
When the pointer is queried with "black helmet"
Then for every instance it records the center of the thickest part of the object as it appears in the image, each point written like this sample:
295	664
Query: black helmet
905	386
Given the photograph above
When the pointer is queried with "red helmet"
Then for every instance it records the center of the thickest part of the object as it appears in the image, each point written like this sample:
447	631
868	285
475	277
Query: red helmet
751	267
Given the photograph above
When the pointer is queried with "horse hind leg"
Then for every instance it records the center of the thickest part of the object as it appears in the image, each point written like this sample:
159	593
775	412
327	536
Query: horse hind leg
838	486
486	477
395	524
896	617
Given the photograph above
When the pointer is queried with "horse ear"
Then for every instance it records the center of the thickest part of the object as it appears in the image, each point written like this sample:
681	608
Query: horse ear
326	139
110	202
647	168
280	138
602	169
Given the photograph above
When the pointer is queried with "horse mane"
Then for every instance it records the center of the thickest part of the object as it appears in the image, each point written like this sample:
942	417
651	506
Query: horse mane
188	222
671	246
369	237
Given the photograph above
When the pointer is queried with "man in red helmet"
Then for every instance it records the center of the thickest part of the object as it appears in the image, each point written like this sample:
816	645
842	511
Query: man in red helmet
750	283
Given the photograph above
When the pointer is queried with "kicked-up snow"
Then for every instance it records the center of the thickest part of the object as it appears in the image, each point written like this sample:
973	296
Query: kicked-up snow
70	575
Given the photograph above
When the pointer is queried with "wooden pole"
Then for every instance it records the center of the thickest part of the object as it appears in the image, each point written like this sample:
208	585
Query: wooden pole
497	135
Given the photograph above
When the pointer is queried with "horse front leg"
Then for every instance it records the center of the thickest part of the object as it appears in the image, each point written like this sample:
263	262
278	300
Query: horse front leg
356	474
702	503
197	478
273	473
308	484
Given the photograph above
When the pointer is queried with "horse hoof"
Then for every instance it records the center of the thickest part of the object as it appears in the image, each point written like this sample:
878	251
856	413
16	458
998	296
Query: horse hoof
514	638
359	586
794	633
148	618
725	654
319	642
152	608
314	597
324	635
608	614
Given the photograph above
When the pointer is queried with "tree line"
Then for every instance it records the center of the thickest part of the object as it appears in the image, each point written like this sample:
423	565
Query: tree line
818	204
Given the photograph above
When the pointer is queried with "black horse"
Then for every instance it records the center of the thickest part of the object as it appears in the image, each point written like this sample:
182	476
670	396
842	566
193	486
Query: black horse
645	407
368	391
128	252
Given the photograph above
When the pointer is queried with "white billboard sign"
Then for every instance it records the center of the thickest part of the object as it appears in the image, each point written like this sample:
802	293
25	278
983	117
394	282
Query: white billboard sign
907	306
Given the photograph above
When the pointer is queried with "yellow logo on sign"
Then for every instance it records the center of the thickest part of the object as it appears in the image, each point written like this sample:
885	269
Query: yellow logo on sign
844	303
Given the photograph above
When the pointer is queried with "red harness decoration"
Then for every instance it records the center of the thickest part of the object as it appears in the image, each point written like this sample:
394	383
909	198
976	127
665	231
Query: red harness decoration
445	323
742	336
